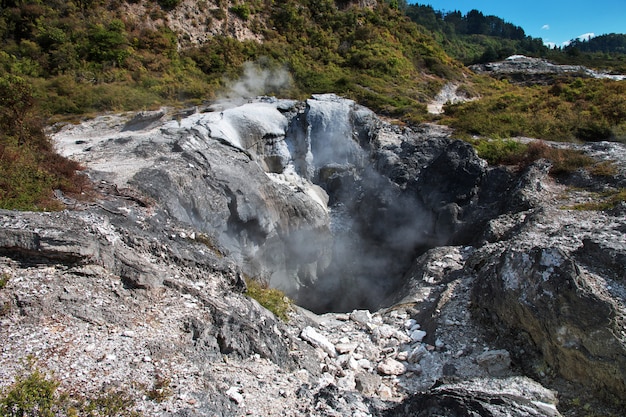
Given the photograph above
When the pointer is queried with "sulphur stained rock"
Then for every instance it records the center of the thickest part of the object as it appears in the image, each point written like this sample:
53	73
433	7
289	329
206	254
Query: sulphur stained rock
543	293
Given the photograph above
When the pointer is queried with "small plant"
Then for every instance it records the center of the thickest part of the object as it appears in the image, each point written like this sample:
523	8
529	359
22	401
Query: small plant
4	279
161	390
32	394
604	169
605	201
35	393
272	299
241	10
111	404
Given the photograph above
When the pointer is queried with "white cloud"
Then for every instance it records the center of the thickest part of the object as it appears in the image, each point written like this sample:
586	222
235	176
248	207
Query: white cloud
586	36
545	27
550	44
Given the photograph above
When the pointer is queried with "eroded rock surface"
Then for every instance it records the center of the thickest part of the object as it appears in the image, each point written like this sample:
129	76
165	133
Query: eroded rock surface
452	283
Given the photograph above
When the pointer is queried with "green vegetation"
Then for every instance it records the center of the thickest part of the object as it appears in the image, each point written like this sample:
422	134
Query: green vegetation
603	201
4	280
29	167
36	394
161	390
272	299
31	395
474	37
64	59
574	109
512	152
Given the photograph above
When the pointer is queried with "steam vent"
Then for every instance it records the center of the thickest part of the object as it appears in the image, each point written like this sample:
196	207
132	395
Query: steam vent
425	282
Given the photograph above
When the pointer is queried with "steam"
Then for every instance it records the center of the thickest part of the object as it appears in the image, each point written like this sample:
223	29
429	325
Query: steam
255	81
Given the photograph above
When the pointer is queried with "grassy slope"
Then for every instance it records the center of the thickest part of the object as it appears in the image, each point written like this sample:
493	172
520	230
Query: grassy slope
73	58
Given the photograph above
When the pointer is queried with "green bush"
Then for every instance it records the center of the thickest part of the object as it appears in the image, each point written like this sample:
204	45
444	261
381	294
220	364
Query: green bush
241	10
33	394
36	394
501	152
4	279
272	299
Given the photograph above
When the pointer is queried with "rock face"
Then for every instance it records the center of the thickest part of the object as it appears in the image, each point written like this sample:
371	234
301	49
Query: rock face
319	198
449	282
541	292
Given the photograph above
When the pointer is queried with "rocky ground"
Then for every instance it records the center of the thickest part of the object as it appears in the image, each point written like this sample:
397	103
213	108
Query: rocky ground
528	70
517	311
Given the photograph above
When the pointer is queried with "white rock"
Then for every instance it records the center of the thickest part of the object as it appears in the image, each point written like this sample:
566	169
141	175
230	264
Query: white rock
496	362
387	331
234	394
408	324
418	335
385	393
347	383
128	333
365	364
345	347
318	340
391	367
361	316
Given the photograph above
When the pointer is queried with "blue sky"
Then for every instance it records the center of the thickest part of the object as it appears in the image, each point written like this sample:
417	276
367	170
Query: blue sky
555	21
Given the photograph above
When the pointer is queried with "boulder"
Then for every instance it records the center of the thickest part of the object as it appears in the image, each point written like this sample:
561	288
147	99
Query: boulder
543	293
512	397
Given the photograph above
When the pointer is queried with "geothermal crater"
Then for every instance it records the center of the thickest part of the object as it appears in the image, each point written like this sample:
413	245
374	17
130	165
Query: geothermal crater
320	198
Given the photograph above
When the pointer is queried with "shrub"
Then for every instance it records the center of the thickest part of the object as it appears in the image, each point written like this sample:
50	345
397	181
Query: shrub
272	299
605	201
241	10
501	152
36	394
169	4
4	279
511	152
161	390
30	395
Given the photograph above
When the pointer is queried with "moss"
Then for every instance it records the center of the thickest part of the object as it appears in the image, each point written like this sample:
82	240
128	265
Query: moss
272	299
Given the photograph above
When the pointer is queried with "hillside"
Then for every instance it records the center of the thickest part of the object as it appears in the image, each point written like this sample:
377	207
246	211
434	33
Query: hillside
64	60
85	56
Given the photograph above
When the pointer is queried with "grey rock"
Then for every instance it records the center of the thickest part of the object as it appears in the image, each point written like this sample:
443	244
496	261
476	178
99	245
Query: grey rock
543	293
512	397
496	362
391	366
